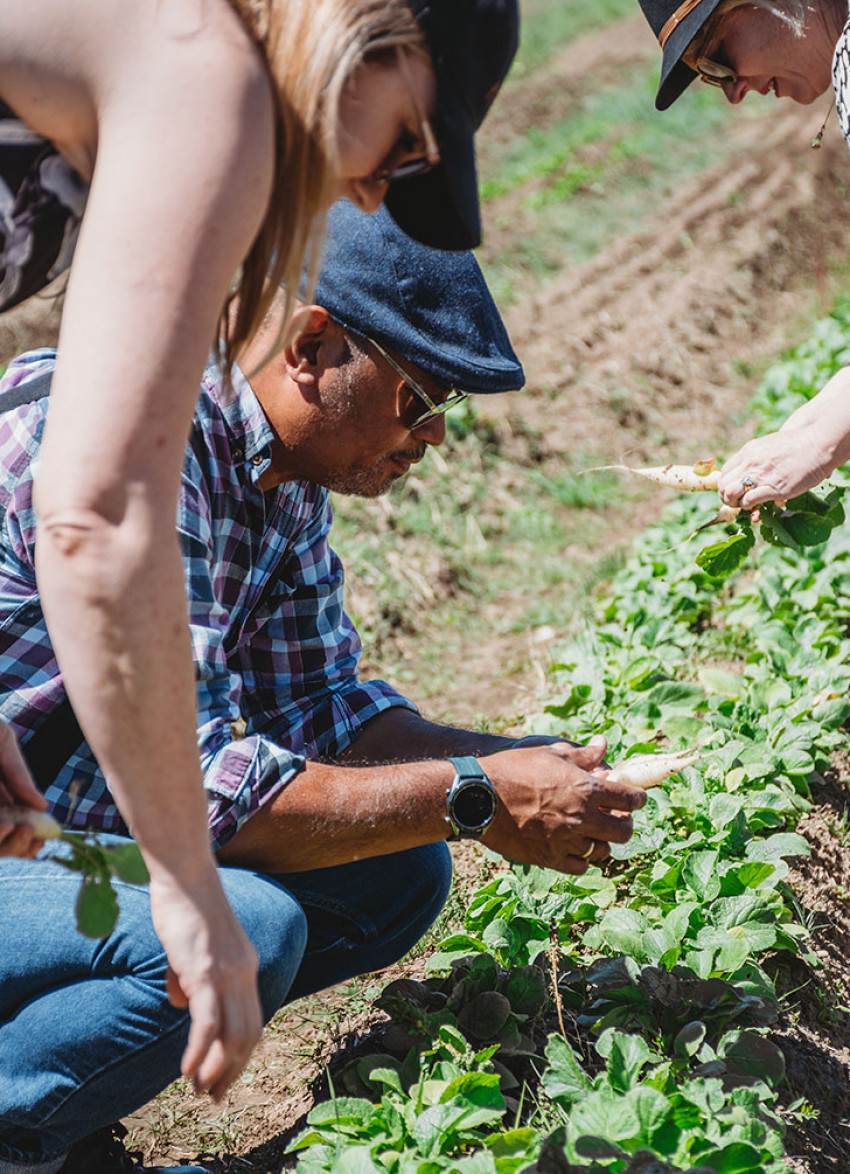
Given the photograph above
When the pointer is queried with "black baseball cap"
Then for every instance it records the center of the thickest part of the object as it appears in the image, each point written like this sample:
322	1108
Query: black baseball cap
675	24
429	307
472	44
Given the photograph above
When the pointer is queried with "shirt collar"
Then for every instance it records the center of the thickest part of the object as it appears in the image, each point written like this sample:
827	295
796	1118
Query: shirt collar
251	435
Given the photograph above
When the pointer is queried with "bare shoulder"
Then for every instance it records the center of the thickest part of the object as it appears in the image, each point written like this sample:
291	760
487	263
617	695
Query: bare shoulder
68	69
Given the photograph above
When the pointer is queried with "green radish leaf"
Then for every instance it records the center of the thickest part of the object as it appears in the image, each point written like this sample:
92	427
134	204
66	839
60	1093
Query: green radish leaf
97	908
526	990
342	1111
754	1057
484	1016
597	1147
125	861
689	1040
778	847
677	695
626	1055
737	1158
564	1079
722	558
808	529
722	683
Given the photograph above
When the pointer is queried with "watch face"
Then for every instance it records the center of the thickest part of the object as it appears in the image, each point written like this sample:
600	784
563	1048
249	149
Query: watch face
473	806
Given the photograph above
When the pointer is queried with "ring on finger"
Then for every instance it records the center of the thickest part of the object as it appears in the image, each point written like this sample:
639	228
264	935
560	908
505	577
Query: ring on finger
748	483
587	855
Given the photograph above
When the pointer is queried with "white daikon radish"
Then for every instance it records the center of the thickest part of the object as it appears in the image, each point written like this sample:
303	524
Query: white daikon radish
649	770
42	823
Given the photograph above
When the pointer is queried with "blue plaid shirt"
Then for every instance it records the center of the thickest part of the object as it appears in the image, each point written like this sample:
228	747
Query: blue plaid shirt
272	645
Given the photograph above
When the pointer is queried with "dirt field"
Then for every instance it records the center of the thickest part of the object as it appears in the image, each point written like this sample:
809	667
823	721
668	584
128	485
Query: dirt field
649	348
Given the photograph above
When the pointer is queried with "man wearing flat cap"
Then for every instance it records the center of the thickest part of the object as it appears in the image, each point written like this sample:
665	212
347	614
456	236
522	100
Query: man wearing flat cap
335	790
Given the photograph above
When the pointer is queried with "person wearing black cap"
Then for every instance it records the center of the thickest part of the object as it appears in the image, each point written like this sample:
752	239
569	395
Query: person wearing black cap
334	789
783	47
163	153
791	49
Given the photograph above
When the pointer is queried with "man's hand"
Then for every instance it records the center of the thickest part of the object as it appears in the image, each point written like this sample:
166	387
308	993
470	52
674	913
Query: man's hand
556	808
213	972
17	787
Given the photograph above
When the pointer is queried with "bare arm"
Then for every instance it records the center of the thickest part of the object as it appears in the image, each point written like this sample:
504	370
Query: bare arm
178	191
399	735
550	807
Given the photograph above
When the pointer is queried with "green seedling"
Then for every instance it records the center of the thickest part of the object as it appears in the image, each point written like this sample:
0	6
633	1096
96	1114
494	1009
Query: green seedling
97	903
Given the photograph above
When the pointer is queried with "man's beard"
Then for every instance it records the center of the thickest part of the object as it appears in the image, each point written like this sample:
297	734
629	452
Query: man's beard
341	400
370	480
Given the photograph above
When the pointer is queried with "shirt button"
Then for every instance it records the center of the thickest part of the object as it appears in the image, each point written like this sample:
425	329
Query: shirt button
258	459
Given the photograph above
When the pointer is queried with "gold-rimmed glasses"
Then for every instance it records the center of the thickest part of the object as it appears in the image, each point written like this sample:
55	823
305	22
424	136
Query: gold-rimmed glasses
432	409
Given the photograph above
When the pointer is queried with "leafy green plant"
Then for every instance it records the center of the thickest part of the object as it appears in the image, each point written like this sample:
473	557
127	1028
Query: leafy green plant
97	903
83	852
426	1129
719	1122
804	521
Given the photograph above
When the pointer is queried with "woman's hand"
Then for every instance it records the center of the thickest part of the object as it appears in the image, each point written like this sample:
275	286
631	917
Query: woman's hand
776	467
17	787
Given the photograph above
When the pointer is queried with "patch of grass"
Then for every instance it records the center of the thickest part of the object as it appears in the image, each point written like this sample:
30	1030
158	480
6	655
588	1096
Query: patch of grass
433	552
581	180
549	25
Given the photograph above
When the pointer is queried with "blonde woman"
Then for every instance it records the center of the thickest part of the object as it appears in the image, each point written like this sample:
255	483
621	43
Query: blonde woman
202	138
788	49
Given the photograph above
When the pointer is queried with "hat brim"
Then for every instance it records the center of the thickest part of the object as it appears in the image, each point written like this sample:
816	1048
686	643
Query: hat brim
675	75
440	208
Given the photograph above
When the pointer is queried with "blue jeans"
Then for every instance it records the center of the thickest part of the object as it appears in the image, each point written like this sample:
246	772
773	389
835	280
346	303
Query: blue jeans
87	1034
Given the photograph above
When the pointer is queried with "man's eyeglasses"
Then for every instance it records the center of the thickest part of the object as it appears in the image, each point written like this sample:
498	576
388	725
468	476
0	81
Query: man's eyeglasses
416	417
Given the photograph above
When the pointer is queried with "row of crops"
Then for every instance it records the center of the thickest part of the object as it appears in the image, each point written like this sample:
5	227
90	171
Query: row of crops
621	1021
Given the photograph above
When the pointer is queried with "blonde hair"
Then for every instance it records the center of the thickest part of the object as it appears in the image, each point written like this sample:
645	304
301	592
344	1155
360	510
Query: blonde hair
311	49
792	12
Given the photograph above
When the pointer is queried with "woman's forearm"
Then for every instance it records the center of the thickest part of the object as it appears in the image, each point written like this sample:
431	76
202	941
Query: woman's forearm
114	600
826	417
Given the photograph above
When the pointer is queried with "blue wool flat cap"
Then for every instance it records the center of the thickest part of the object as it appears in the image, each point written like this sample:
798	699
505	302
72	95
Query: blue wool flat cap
429	307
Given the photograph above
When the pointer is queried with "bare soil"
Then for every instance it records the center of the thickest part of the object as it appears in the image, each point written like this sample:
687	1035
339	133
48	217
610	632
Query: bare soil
649	348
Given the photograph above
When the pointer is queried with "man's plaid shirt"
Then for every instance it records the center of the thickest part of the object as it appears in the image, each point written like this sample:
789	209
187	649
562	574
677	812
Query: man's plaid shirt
272	644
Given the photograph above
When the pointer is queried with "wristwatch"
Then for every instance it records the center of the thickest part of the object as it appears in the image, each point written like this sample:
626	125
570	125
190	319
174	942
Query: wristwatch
470	800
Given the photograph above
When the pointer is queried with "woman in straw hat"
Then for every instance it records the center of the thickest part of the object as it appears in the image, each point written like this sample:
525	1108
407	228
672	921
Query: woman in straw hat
791	49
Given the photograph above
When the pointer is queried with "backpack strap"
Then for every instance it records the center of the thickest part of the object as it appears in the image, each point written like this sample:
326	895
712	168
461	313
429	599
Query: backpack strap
28	392
59	735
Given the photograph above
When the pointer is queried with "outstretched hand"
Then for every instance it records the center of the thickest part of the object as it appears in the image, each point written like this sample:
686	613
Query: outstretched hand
556	807
17	789
775	467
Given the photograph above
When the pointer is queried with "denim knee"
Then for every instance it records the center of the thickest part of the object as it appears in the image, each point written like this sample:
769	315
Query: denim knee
277	926
433	877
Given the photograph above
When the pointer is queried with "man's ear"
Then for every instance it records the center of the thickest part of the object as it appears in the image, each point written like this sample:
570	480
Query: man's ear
310	336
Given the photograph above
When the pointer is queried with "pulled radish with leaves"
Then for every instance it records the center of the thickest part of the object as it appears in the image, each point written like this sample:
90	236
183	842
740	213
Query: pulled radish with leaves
97	903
